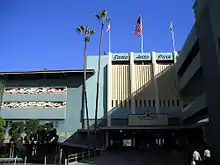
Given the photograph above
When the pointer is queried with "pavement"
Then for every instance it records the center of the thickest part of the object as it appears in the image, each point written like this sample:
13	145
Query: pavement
136	157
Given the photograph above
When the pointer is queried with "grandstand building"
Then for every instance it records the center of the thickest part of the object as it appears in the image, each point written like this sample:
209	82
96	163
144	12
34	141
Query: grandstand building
139	99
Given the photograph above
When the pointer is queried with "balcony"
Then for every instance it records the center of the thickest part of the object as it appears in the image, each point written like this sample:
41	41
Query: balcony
190	72
34	97
187	47
195	106
33	113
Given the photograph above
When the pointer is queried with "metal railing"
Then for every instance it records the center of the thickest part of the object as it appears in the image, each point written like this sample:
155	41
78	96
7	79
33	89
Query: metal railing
73	158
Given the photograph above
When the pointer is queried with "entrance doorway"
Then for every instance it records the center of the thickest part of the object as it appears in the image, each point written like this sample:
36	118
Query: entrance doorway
121	139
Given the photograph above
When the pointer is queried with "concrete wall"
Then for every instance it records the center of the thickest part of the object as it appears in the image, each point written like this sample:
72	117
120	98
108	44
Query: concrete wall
69	118
207	15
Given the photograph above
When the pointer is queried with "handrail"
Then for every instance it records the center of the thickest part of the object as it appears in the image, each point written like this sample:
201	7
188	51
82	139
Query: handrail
11	159
81	156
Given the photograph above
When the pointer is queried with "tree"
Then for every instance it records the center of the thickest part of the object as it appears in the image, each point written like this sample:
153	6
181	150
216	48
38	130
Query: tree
17	128
47	134
87	34
31	128
103	17
34	134
2	131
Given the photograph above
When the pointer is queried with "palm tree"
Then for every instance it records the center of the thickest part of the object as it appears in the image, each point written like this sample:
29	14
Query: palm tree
103	17
87	33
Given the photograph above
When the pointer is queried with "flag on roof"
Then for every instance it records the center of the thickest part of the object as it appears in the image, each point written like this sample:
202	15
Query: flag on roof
138	28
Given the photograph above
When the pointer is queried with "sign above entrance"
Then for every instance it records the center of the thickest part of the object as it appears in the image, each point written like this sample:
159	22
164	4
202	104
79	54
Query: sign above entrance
120	57
147	119
164	56
142	56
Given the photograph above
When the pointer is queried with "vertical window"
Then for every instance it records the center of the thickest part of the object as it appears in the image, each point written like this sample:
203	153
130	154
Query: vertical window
168	103
160	103
116	102
177	102
140	102
56	124
112	103
153	103
164	103
173	103
125	102
136	103
149	103
145	103
121	103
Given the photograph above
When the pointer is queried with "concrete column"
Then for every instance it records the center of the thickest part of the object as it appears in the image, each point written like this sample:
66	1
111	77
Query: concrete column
106	139
132	82
175	56
154	73
109	89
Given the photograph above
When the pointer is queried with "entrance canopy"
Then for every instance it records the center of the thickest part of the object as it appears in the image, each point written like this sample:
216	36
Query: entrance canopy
145	128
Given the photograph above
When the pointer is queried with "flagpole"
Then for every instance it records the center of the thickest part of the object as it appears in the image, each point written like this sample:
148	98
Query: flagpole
109	40
142	36
173	37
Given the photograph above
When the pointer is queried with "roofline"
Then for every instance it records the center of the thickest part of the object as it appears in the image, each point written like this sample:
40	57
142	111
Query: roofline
92	71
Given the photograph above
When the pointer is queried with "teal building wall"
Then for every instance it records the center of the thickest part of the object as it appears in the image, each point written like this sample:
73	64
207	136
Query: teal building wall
69	118
91	88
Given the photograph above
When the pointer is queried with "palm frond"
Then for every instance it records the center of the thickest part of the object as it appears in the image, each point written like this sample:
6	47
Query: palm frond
97	16
92	32
82	27
107	19
79	30
87	31
103	14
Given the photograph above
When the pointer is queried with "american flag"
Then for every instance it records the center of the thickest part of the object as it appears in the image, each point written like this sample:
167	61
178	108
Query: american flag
138	28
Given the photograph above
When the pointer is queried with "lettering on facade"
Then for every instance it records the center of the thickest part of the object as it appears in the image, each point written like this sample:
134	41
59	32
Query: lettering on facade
164	56
147	119
120	57
142	57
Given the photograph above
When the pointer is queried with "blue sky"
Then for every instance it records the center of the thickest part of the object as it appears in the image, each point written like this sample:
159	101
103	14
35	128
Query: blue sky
38	34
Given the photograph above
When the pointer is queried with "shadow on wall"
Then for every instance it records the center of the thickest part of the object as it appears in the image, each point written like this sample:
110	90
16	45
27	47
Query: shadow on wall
120	112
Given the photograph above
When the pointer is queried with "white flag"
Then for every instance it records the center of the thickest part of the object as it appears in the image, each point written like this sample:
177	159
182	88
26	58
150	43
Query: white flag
109	28
171	27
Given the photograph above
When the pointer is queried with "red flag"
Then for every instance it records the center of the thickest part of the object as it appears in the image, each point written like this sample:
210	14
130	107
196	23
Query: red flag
109	28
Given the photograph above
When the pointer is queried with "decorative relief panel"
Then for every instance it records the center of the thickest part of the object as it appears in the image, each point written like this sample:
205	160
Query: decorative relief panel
34	104
37	91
